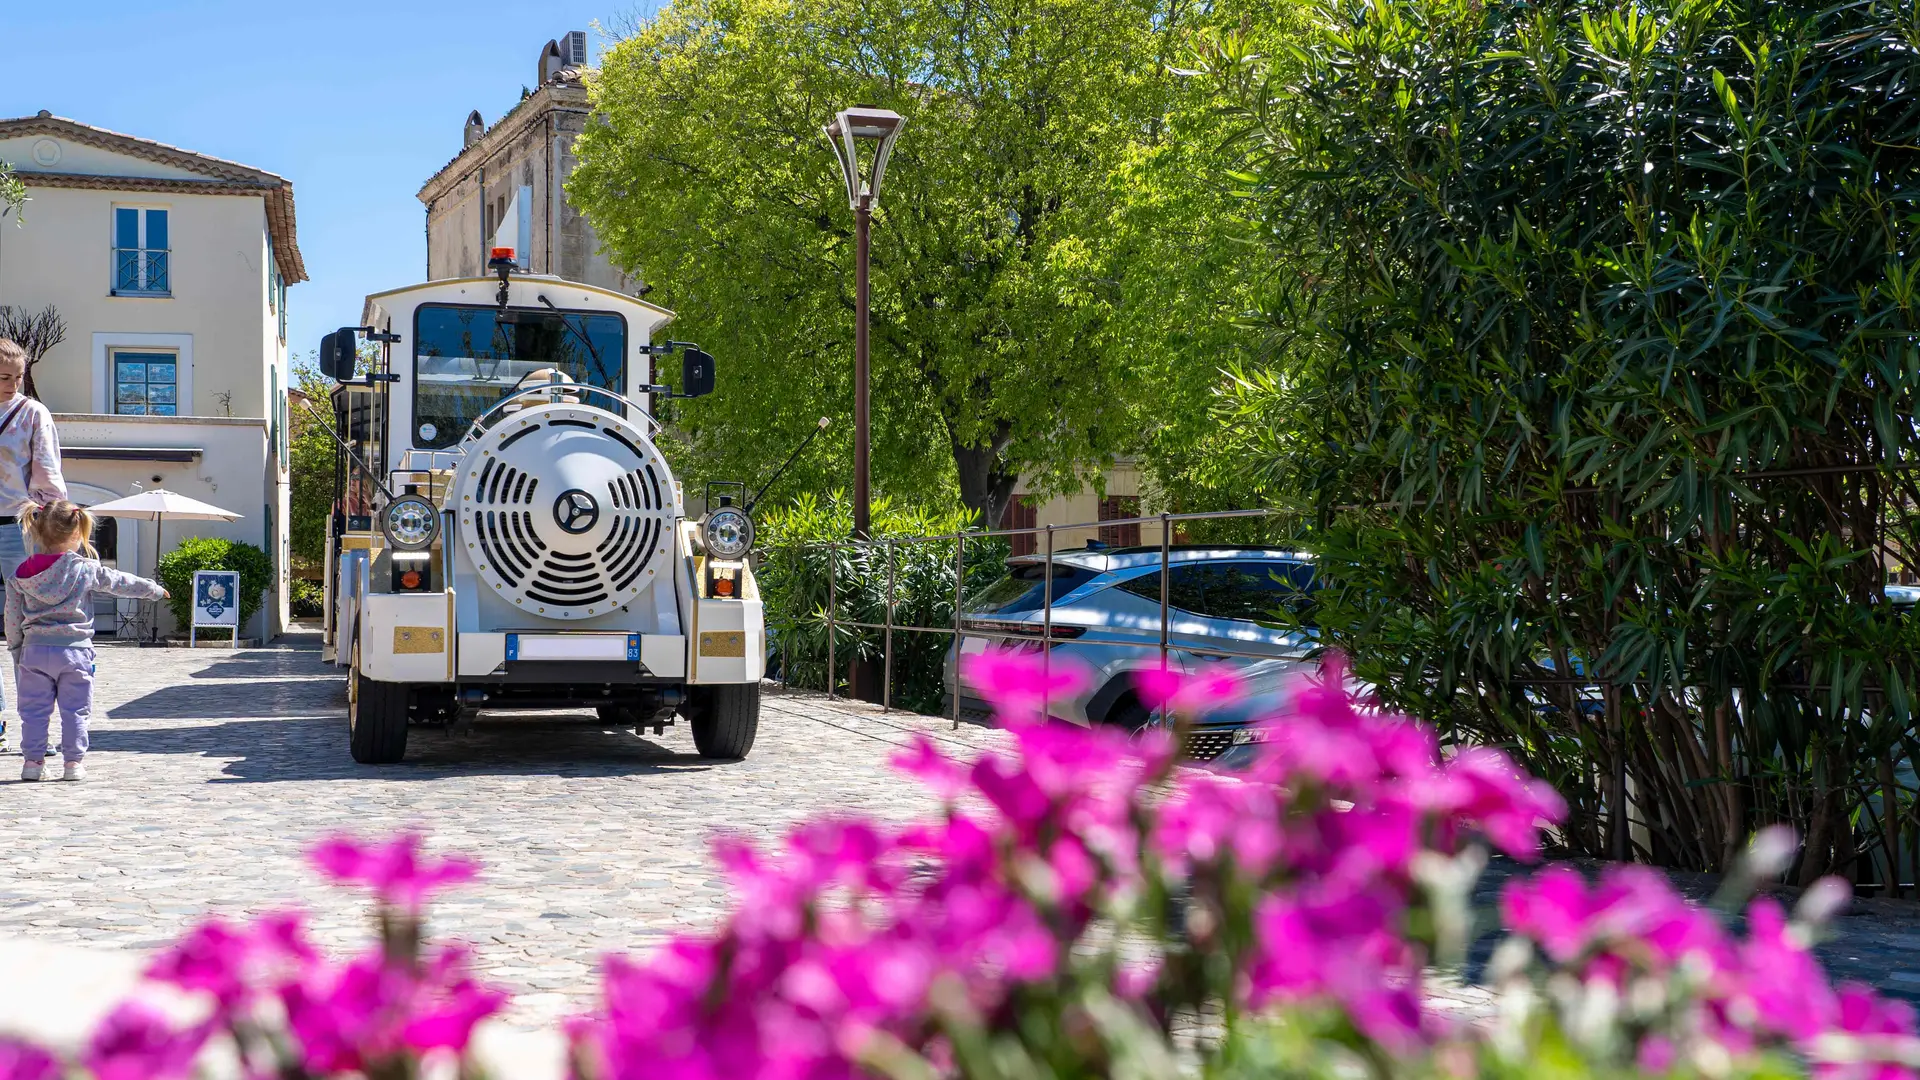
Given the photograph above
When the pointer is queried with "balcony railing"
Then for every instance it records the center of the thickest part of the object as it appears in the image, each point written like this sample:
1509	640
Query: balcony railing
141	272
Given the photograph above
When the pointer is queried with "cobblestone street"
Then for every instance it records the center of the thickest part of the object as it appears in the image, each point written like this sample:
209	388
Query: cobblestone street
211	771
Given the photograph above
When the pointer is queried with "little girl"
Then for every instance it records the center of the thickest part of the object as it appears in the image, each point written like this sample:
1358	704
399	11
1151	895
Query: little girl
50	630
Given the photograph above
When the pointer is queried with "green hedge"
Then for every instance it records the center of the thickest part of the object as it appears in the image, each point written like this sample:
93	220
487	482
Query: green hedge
793	571
213	553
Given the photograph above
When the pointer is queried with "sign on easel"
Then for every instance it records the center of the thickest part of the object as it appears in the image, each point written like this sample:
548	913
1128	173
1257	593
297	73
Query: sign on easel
216	603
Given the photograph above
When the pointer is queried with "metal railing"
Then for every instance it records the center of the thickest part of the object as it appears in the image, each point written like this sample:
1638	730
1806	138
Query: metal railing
960	631
138	271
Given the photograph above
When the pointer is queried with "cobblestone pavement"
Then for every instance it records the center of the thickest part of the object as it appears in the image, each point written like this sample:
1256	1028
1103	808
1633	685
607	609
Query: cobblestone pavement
210	772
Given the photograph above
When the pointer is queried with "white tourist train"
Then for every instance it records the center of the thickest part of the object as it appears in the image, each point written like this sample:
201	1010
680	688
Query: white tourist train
506	533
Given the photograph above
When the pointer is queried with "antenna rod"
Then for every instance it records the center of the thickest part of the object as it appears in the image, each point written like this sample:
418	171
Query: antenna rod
755	501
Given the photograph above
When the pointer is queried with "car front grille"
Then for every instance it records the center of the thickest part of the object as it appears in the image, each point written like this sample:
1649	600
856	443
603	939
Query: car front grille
1207	745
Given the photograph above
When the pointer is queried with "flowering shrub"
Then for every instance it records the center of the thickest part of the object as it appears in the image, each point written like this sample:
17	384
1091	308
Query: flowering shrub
1084	907
286	1011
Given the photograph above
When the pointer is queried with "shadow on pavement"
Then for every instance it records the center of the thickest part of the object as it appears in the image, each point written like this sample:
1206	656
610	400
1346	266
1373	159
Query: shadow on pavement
277	751
260	697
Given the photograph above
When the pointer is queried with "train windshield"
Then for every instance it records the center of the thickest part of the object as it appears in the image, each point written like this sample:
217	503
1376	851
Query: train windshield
466	358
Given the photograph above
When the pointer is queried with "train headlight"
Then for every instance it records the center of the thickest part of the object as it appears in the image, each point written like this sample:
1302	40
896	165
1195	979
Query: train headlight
411	523
728	533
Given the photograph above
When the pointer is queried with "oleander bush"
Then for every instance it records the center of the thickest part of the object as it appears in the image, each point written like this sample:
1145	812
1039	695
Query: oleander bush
1080	906
795	562
1598	324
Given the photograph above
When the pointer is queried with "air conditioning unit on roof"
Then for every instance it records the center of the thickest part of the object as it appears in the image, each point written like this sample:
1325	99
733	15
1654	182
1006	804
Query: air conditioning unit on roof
573	49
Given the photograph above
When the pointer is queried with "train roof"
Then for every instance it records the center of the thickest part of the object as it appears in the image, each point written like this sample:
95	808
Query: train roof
374	302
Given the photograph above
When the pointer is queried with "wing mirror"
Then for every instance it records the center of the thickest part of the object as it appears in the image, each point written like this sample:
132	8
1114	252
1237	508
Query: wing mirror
339	354
696	373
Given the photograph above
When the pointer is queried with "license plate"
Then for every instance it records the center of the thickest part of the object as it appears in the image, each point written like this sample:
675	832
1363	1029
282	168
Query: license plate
573	647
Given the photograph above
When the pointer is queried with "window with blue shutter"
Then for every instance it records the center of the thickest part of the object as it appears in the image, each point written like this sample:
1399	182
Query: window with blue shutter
140	252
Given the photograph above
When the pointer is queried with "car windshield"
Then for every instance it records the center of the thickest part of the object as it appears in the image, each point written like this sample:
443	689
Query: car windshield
466	358
1023	590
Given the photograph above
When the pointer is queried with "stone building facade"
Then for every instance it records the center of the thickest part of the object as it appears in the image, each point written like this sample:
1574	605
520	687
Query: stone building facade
506	187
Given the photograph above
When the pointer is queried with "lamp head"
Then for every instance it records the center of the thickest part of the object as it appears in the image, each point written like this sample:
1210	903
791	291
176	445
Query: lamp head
874	129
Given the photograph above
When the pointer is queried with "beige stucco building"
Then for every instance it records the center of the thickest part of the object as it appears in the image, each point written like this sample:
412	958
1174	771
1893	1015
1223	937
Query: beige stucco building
506	187
1125	496
170	269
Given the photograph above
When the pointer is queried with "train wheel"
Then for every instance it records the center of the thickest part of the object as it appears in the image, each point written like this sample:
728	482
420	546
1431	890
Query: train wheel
376	717
724	719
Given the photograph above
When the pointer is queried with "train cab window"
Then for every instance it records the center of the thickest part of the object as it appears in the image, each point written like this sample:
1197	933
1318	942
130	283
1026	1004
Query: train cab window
360	417
467	358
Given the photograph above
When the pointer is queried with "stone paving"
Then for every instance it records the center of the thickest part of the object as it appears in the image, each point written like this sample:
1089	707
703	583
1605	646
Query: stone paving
211	771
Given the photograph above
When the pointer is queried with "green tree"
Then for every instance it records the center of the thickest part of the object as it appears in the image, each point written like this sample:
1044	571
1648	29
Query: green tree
1608	376
13	194
310	466
998	257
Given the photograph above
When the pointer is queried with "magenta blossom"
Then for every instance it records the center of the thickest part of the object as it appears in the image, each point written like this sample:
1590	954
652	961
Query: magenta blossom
1184	694
398	872
20	1061
1020	685
137	1042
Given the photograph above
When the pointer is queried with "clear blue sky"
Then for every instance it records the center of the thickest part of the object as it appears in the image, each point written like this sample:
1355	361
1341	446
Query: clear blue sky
356	102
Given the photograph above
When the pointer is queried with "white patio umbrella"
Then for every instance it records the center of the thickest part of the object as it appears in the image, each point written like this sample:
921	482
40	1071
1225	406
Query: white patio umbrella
158	505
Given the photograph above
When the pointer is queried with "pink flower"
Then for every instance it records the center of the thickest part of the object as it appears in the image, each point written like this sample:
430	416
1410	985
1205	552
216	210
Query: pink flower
1879	1025
398	872
924	760
1178	692
1019	685
136	1042
1778	977
212	958
21	1061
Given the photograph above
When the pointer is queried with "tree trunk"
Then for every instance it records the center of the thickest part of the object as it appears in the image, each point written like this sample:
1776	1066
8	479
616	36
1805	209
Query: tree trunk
985	488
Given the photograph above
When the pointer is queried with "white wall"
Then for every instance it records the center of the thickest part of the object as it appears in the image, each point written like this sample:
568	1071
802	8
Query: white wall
227	474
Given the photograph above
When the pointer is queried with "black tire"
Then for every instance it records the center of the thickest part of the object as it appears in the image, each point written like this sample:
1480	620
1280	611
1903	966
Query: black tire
376	717
724	720
1129	715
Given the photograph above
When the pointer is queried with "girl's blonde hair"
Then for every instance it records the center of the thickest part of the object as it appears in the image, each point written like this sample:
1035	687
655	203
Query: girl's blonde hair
54	526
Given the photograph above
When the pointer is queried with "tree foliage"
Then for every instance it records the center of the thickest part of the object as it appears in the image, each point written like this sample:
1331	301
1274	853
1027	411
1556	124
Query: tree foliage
1604	374
1013	246
13	194
311	455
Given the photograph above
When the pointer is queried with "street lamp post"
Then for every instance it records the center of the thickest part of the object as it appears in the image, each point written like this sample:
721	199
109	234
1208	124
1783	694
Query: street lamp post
849	131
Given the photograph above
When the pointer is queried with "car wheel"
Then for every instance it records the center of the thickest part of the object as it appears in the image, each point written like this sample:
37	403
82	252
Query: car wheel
724	719
1129	715
376	717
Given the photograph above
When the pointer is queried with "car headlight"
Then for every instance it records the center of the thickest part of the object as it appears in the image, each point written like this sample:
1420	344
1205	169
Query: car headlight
411	523
728	533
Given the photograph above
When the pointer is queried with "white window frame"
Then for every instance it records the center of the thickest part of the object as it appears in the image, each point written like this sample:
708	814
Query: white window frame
113	245
104	346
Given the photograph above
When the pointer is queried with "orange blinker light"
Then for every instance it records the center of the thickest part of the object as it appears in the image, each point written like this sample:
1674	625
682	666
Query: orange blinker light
723	587
410	579
501	253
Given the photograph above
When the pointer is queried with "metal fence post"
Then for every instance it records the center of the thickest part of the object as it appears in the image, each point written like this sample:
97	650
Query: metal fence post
833	559
886	670
959	633
1166	558
1046	632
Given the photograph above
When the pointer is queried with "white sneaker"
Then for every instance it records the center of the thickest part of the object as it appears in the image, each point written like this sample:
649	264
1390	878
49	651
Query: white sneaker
31	770
74	771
